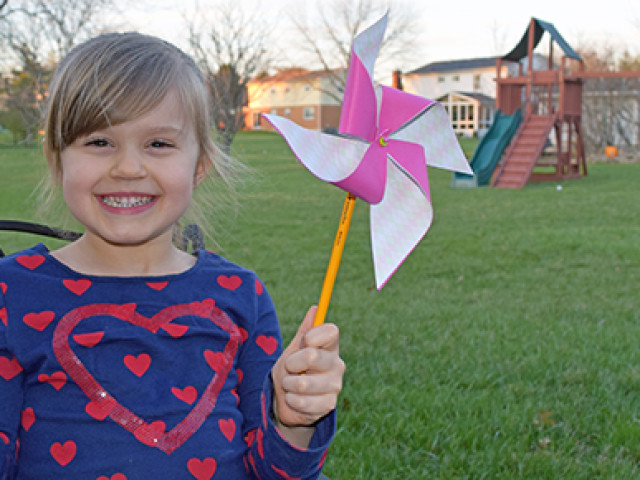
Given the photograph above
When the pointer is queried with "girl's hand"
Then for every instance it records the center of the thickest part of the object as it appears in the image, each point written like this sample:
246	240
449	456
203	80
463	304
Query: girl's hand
307	379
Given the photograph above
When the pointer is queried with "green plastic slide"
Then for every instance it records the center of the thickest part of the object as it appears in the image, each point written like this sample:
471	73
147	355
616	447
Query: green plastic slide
489	150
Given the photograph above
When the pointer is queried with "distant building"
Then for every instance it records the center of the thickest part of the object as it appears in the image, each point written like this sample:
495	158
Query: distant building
466	88
312	99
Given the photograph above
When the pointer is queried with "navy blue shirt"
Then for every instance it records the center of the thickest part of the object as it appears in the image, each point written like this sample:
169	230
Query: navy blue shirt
127	378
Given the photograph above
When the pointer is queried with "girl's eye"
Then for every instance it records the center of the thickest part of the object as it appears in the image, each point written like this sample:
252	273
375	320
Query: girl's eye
97	142
160	144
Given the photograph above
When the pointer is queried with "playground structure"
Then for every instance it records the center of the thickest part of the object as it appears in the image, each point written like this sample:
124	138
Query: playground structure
545	100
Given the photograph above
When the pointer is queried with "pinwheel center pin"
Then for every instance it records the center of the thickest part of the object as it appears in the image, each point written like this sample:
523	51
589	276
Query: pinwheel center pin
383	142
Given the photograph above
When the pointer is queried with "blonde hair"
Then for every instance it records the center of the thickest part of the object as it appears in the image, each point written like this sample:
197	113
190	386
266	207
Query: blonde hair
116	77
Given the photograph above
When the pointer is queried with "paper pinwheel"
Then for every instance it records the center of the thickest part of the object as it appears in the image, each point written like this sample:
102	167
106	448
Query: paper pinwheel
386	139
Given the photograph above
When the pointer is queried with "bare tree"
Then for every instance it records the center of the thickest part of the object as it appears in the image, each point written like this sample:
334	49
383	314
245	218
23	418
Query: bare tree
327	31
35	34
610	106
230	49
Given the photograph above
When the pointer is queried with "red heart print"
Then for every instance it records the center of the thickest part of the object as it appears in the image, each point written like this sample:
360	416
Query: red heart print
3	316
157	285
100	409
9	368
56	379
187	394
88	340
30	261
240	374
27	418
3	287
175	330
259	287
228	428
229	283
150	434
138	365
202	469
4	438
244	334
63	453
115	476
39	320
77	286
268	344
216	360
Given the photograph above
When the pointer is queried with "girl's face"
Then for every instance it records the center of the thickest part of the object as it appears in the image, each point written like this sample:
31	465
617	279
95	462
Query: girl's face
128	184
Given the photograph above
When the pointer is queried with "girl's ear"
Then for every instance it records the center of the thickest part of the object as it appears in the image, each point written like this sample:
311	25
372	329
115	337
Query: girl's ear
202	170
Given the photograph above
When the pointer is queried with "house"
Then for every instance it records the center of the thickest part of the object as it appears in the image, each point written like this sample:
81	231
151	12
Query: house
466	88
312	99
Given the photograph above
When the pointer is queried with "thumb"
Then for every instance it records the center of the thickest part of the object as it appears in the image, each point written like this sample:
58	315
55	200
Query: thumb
307	324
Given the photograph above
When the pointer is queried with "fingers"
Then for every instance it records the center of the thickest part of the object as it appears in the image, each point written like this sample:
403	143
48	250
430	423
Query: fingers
318	353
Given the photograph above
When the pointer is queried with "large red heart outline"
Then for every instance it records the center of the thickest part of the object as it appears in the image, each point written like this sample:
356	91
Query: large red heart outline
104	402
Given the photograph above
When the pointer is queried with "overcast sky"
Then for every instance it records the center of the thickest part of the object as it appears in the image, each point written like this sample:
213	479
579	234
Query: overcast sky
451	29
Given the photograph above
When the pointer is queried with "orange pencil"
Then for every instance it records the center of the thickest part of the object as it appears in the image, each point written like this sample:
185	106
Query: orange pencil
334	260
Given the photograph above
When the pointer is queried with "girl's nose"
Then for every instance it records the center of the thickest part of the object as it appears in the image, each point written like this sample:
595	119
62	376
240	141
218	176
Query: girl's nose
128	163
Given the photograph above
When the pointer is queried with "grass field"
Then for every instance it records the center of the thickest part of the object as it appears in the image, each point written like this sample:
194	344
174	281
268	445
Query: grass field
505	347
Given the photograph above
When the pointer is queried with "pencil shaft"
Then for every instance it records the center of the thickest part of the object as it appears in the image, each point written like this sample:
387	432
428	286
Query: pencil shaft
334	260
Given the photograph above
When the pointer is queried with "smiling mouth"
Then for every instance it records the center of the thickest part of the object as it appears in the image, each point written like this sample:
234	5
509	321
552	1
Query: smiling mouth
126	201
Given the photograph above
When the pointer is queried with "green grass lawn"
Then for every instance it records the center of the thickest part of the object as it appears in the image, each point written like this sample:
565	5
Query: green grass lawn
505	347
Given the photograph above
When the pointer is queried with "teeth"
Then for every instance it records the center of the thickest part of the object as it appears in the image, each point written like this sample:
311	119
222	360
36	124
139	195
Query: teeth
125	202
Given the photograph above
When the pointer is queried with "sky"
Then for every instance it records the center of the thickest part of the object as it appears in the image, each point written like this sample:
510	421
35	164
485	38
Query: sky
450	30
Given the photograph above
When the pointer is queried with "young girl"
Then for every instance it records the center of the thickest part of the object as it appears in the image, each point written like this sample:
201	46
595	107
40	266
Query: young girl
121	356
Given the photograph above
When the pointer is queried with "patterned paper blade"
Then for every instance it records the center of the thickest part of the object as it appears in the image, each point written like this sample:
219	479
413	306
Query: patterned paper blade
387	139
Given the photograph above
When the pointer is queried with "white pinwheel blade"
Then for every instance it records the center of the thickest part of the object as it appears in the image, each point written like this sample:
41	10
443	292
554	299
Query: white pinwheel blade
328	157
433	131
398	223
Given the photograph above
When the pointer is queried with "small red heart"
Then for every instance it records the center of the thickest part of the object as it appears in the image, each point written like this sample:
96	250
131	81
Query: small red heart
9	368
39	321
150	433
77	286
88	340
100	410
56	379
175	329
216	360
259	287
202	469
138	365
268	344
240	374
244	334
4	438
157	285
3	287
234	392
63	453
229	283
115	476
30	261
3	317
228	428
187	394
28	418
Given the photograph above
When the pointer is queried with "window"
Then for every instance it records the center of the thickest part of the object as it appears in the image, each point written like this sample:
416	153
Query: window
309	113
476	82
273	111
455	78
256	119
287	112
441	79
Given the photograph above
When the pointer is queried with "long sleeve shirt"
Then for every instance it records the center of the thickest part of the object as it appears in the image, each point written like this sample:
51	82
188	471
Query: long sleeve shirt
128	378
